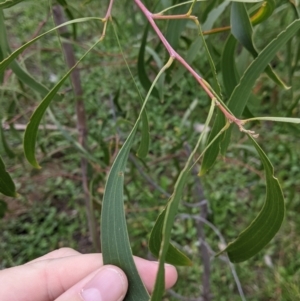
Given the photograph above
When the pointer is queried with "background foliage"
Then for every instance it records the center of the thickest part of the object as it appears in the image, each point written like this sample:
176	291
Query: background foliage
50	212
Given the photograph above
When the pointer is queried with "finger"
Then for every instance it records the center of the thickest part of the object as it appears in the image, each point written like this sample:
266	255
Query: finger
62	252
45	280
109	283
148	270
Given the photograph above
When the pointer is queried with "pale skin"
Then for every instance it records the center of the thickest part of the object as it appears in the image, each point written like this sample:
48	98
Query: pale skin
67	275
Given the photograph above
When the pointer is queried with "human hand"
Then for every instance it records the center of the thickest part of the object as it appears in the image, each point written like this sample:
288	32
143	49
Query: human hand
67	275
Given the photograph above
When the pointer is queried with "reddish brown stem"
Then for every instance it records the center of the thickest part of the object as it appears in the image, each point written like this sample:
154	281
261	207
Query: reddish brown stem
150	17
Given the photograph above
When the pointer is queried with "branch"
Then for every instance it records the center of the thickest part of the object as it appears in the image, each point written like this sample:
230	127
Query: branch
205	86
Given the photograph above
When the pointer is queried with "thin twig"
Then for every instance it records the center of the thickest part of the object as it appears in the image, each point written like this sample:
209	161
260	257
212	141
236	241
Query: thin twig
206	294
182	298
205	86
222	239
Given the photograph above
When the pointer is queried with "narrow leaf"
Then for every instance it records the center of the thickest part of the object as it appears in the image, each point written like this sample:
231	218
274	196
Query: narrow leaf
190	57
242	91
68	12
212	65
230	74
170	213
173	255
114	235
211	154
7	186
142	74
4	145
276	119
5	63
20	73
32	127
175	29
242	30
72	140
264	227
213	16
9	3
264	12
145	141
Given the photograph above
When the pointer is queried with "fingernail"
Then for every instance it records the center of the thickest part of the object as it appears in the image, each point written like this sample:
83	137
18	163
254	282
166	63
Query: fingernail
108	284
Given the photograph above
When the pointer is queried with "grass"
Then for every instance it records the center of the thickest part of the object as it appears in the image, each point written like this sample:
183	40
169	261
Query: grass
50	212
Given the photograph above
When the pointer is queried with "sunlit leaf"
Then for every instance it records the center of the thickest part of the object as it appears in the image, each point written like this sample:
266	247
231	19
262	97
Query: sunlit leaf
7	186
264	227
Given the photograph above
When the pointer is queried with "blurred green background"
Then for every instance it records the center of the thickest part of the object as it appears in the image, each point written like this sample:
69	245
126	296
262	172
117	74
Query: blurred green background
50	210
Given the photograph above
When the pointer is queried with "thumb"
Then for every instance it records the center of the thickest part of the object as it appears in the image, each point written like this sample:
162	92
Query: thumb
109	283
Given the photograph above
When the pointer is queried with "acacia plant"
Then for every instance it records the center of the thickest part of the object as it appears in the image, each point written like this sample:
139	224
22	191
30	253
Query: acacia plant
228	87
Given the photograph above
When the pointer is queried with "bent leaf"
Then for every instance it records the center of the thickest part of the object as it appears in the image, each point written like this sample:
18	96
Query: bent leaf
268	221
114	235
170	213
241	29
19	72
242	91
173	255
35	119
264	12
7	186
